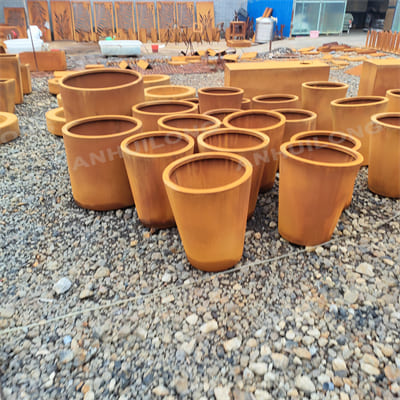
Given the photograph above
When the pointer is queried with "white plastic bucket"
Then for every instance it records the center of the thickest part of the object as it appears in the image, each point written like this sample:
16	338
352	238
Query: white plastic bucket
264	30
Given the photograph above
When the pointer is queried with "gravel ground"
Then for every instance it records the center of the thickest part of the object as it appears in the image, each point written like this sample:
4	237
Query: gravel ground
137	321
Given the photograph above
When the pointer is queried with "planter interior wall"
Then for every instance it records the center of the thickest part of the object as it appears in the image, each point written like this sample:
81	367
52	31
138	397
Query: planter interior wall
107	91
96	168
384	168
211	98
273	101
146	156
169	92
221	113
315	179
209	195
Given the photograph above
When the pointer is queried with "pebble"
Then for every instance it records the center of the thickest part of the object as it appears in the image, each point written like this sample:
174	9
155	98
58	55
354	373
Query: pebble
102	272
370	359
188	347
181	385
339	364
232	344
369	369
301	352
66	356
7	311
62	285
392	373
305	384
351	296
85	293
222	393
280	361
160	391
89	396
141	333
192	319
209	326
258	368
366	269
260	395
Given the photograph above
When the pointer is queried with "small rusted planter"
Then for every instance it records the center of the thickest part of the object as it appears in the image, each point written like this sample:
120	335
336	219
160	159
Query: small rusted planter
107	91
393	96
9	127
146	155
55	120
149	112
169	92
155	80
7	95
96	168
211	98
274	101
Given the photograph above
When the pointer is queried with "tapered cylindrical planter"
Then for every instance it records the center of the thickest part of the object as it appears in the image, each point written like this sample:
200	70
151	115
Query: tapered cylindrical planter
106	91
149	112
211	98
7	95
96	168
353	116
314	183
221	113
55	120
273	101
393	96
191	124
194	100
209	196
244	142
317	97
156	80
146	155
246	103
9	127
169	92
270	123
297	120
384	167
340	138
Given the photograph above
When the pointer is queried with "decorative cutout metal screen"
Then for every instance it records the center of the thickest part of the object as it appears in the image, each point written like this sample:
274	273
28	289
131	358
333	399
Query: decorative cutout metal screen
145	16
61	15
166	19
82	17
103	19
39	15
125	20
16	17
185	13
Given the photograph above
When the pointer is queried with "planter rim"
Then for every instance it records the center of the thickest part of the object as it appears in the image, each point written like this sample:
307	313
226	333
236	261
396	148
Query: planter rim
192	100
325	85
55	113
310	114
372	100
358	158
248	170
149	103
64	79
265	140
280	117
7	118
246	100
147	135
299	137
393	92
263	98
152	88
376	118
162	120
154	77
6	79
229	90
221	110
81	121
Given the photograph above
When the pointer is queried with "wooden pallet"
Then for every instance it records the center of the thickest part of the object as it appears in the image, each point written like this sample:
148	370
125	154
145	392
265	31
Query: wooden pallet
38	11
61	15
385	41
103	19
125	20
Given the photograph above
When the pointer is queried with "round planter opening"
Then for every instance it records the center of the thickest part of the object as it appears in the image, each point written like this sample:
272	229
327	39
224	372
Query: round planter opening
194	100
253	120
95	79
293	115
272	98
190	122
325	85
388	120
228	140
330	137
159	143
211	172
221	113
319	153
361	101
166	90
395	92
163	107
102	127
155	78
221	91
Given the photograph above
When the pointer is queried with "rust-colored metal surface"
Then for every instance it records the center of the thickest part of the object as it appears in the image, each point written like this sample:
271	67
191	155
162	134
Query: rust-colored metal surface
205	18
103	19
125	20
146	21
16	16
166	20
61	16
38	11
82	20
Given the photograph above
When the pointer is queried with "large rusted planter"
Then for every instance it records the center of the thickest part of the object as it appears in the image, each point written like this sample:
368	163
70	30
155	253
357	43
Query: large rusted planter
273	101
106	91
221	113
146	155
7	95
340	138
209	196
268	122
244	142
393	96
317	96
315	179
150	111
211	98
384	167
156	80
9	127
169	92
353	116
191	124
96	168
